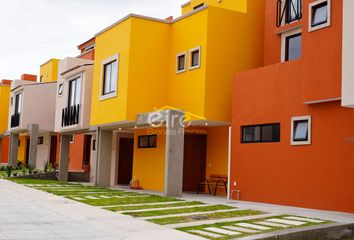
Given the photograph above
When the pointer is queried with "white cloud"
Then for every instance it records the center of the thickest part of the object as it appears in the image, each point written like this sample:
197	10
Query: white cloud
33	31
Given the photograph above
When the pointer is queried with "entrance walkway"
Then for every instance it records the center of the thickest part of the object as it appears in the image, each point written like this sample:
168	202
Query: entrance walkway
26	213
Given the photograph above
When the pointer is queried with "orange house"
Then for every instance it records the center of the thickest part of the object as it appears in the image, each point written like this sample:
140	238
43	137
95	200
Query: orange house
292	133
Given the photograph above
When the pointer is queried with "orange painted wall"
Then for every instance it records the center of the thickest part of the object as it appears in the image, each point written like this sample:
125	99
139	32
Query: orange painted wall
5	150
319	175
76	153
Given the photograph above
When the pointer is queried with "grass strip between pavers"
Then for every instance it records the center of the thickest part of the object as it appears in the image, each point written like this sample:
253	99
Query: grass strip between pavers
217	215
142	207
252	221
178	211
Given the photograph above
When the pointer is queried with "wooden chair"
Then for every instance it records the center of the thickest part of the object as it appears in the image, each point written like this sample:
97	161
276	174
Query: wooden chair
214	181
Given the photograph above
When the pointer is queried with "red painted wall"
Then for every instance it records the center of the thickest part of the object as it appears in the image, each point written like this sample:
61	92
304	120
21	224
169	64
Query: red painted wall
5	150
319	175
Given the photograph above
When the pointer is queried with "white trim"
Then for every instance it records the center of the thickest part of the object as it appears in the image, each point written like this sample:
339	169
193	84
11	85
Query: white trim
190	58
229	165
298	143
62	90
323	100
73	140
324	25
185	62
283	41
113	94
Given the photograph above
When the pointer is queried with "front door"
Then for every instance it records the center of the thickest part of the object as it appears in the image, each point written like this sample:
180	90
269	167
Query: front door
194	162
87	150
125	161
53	149
27	150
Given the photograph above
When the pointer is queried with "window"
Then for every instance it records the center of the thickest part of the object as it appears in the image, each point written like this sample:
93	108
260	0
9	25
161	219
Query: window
301	130
293	46
109	77
181	62
94	145
293	10
194	58
40	140
41	78
72	139
198	6
60	89
89	48
147	141
18	98
74	92
319	15
261	133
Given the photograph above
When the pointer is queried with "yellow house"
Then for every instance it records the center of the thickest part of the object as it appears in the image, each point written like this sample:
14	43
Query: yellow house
144	64
4	114
49	71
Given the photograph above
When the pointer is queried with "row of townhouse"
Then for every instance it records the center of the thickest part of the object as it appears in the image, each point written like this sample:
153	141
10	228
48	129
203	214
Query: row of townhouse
258	92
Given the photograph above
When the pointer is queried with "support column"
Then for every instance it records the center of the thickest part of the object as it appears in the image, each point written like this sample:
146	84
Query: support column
13	153
104	156
174	153
64	158
0	149
32	153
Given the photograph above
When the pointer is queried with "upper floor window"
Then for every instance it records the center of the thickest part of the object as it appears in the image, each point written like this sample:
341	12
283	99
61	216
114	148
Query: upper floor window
194	58
319	14
288	11
74	91
18	99
293	45
198	6
109	81
301	130
261	133
181	62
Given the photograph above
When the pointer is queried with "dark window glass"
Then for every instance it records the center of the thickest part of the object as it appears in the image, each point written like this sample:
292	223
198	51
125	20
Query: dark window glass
198	6
301	129
181	62
195	58
40	140
94	145
261	133
293	46
147	141
319	14
293	10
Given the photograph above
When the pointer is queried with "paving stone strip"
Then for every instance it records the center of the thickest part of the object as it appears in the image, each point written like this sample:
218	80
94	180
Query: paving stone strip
253	226
222	220
166	208
311	220
222	231
284	221
188	214
240	229
271	224
141	204
207	234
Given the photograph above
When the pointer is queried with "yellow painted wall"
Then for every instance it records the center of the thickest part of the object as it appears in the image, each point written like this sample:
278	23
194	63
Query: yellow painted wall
217	153
236	5
148	66
49	71
22	149
239	46
4	107
112	42
186	90
149	163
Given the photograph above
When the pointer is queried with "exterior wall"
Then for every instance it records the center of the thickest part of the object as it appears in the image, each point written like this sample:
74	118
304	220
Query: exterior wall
149	163
4	106
239	5
4	153
43	151
22	148
107	45
77	153
49	71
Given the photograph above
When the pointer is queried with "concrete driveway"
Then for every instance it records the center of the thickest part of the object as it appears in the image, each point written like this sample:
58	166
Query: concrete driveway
26	213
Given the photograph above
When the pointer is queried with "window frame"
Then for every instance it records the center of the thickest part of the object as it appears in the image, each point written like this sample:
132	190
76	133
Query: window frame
326	24
178	71
72	139
148	139
191	58
76	78
60	87
18	103
104	63
261	130
284	38
309	129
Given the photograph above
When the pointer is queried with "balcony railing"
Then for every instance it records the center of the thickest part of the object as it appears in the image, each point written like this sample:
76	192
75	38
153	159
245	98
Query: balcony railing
288	11
70	115
15	120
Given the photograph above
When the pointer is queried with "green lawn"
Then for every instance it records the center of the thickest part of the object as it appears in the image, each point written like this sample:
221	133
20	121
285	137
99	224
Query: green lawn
217	215
141	207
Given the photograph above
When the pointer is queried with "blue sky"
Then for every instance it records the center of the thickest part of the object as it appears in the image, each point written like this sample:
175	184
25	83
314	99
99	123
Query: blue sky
33	31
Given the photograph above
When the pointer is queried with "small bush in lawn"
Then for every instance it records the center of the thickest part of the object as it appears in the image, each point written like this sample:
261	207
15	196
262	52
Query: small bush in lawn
8	171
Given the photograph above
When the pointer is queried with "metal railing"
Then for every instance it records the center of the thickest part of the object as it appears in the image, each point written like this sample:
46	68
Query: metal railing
15	120
70	115
288	11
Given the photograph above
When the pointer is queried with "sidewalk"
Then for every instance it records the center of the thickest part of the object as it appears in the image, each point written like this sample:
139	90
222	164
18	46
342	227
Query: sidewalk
26	213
